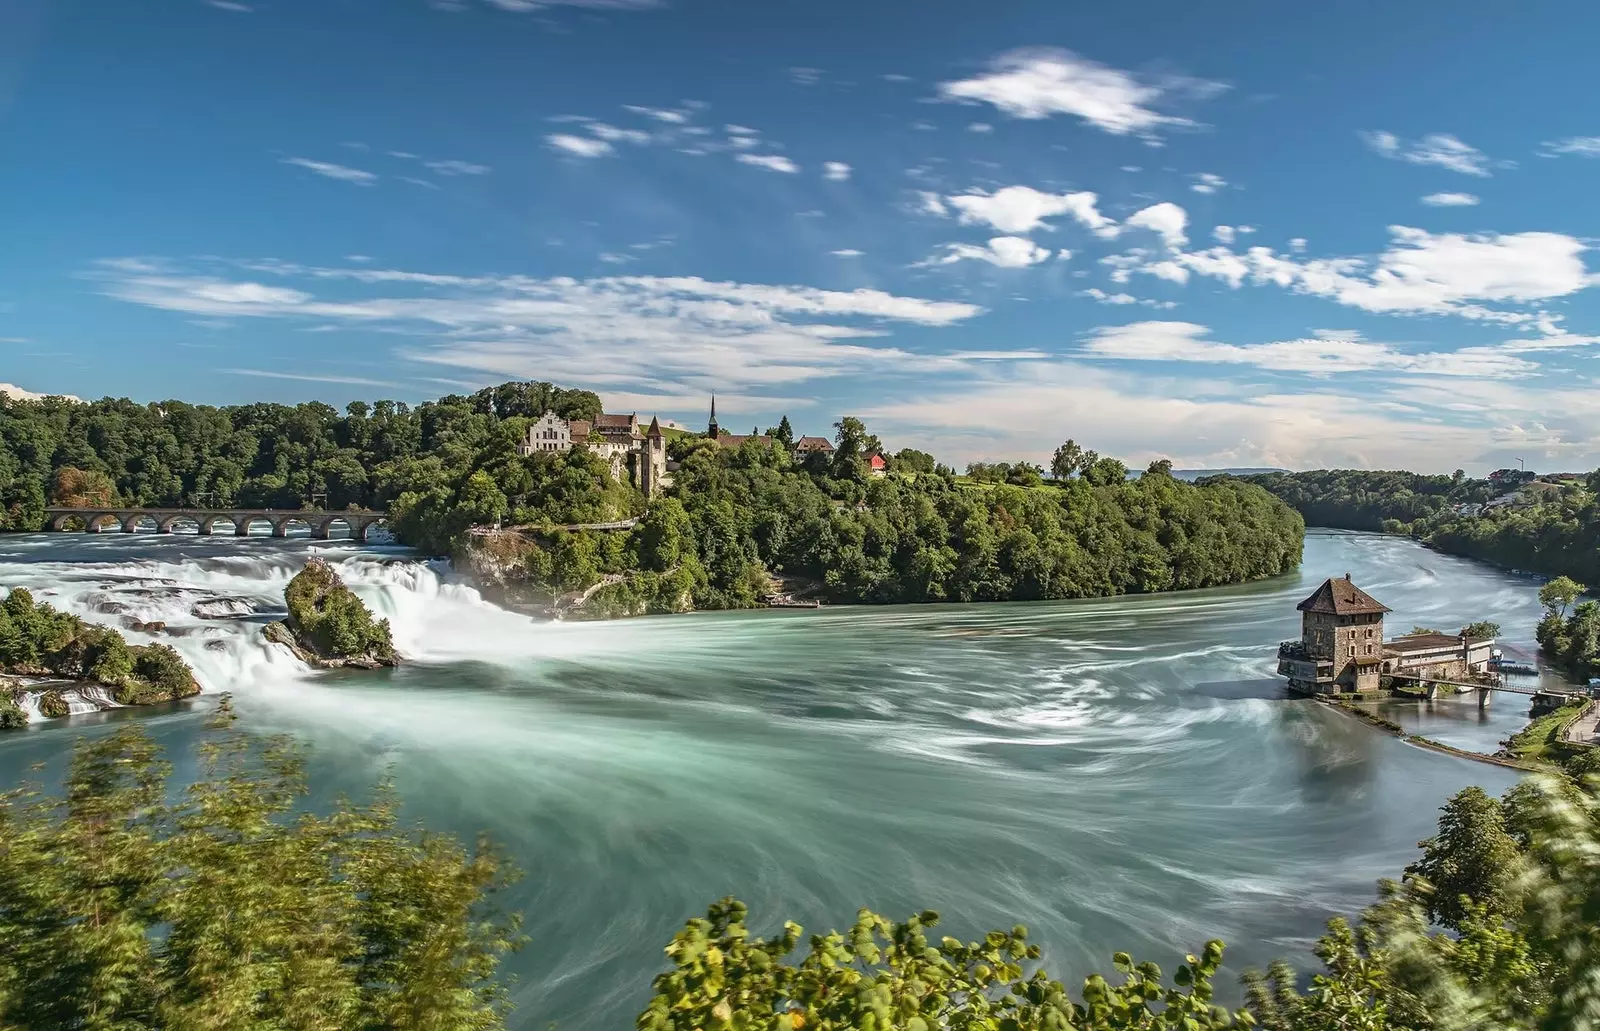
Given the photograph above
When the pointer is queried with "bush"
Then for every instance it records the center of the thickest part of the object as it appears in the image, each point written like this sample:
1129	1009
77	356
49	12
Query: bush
53	705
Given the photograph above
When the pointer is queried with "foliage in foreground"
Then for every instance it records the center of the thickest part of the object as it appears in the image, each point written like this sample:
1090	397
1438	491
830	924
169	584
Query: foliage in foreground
229	909
881	975
36	639
1492	929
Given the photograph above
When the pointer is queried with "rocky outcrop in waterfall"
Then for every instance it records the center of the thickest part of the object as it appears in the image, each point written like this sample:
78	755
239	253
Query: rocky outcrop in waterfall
53	658
328	626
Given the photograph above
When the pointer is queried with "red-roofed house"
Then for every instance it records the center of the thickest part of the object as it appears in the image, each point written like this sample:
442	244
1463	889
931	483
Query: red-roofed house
876	465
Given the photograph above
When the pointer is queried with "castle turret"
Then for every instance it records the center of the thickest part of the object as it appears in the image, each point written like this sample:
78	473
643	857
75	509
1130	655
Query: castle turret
653	468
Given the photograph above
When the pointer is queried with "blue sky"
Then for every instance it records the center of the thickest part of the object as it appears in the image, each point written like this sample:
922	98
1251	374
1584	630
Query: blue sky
1237	234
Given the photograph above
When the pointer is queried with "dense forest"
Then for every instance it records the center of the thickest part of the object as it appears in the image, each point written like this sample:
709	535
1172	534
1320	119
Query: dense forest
737	520
122	896
1555	533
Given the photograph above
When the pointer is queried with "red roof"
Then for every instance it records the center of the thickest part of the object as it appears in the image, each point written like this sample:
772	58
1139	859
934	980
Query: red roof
877	462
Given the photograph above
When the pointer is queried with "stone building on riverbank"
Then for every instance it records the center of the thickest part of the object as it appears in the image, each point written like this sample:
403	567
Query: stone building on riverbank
1342	651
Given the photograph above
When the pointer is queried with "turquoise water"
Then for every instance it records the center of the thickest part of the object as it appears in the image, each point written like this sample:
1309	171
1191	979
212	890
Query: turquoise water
1117	774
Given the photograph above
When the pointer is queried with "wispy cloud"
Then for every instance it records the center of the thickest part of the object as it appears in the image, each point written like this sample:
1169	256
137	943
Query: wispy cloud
1440	149
329	170
1040	82
1579	146
1450	200
1000	251
309	377
771	162
1208	182
835	171
615	332
579	146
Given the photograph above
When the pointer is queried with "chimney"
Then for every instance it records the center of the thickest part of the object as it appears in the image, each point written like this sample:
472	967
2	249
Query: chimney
1347	577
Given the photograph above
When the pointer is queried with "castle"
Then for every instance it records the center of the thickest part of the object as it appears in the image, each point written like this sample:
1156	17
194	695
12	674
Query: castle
636	454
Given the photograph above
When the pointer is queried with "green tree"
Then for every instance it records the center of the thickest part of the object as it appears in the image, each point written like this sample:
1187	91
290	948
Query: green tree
1467	861
1481	628
125	903
1068	459
1557	595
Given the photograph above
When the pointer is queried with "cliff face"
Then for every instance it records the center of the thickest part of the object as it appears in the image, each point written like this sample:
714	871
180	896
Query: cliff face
328	625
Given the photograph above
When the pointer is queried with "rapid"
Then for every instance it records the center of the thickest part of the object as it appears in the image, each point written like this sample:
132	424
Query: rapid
1118	774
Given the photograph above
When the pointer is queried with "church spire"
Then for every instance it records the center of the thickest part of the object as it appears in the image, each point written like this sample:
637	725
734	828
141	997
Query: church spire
712	429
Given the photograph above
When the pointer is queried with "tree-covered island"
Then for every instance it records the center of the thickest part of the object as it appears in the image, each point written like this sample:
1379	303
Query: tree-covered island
744	519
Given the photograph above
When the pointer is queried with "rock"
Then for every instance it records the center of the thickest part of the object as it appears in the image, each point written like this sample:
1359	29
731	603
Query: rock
222	608
328	626
155	626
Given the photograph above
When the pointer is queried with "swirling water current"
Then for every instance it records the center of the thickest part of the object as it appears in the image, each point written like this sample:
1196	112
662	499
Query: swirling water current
1121	773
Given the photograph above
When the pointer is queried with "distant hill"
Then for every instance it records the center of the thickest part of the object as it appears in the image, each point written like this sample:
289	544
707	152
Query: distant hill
1195	474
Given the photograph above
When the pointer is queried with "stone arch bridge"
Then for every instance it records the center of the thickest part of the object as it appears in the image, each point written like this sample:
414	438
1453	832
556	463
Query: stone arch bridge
204	520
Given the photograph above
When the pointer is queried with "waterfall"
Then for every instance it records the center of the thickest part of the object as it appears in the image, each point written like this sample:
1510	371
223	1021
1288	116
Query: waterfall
213	595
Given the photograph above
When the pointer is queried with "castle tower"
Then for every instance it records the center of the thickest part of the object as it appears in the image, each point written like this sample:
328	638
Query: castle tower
712	429
653	467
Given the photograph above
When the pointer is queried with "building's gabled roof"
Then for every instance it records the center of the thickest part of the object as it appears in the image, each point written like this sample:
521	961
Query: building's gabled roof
579	428
877	461
1342	598
813	444
655	427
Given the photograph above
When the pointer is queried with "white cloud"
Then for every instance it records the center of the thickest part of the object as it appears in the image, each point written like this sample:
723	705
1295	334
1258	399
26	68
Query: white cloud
1438	148
1581	146
1208	182
613	332
1105	298
805	76
613	134
230	5
1297	244
846	252
1223	233
1421	272
327	169
19	394
1166	219
579	146
980	127
1450	200
1003	251
740	130
1171	271
836	171
1040	82
659	114
1186	342
930	203
772	162
1022	209
1200	423
453	167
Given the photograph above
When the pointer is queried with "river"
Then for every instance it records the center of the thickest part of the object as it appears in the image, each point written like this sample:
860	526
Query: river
1118	774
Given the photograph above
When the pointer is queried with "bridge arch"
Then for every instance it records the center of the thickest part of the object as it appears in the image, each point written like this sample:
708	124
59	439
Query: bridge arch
98	521
134	520
170	523
280	526
242	521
